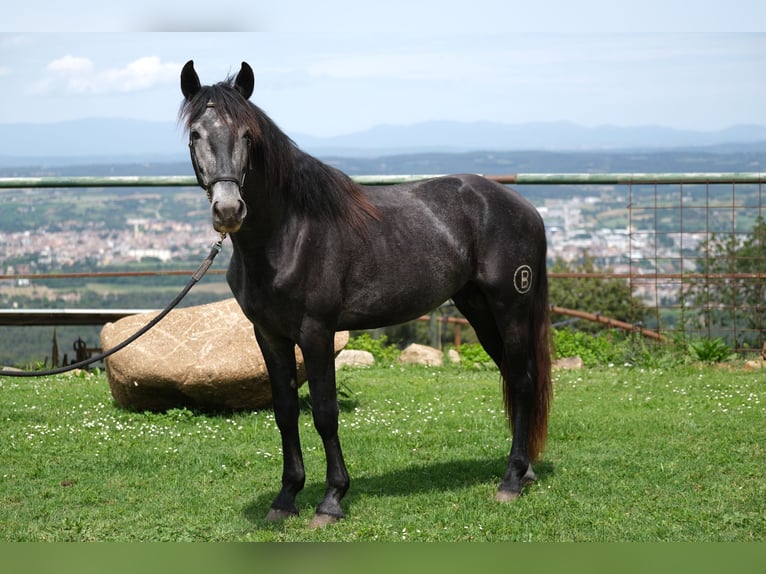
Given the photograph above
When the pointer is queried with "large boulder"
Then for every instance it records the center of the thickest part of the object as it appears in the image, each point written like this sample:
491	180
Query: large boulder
416	354
203	357
354	358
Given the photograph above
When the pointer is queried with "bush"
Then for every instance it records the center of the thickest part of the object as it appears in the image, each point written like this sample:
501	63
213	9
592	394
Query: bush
638	350
474	355
612	347
592	349
601	349
711	351
384	353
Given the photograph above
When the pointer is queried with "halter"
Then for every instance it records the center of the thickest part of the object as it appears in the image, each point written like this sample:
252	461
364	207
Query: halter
208	186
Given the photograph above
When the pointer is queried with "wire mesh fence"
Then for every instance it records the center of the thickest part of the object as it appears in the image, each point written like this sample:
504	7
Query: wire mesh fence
697	257
692	248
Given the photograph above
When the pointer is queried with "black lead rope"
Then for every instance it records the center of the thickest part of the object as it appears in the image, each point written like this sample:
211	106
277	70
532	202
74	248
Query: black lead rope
196	276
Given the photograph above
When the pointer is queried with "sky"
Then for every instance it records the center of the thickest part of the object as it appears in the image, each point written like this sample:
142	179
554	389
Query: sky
336	67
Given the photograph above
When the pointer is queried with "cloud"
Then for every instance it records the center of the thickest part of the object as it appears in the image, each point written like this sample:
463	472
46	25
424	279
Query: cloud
80	75
71	65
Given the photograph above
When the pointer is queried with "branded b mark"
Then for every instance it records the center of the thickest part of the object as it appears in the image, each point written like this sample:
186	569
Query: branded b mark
522	279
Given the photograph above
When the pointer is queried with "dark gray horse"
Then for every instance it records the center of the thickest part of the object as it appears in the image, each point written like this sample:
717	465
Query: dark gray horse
315	253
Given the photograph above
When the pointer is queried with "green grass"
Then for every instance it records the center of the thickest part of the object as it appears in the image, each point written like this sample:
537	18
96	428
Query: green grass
633	455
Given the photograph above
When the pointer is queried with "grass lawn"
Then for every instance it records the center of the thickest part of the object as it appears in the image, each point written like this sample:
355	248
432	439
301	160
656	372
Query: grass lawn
633	455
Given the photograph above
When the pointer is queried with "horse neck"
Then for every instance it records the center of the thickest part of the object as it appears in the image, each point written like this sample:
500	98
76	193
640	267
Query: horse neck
305	189
266	214
268	193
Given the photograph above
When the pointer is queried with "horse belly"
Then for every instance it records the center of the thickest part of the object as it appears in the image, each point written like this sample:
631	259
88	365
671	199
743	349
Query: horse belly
400	290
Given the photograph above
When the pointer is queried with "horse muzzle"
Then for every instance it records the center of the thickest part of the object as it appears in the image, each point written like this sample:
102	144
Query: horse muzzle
227	207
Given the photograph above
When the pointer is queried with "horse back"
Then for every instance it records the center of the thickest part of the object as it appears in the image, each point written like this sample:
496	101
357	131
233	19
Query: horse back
473	214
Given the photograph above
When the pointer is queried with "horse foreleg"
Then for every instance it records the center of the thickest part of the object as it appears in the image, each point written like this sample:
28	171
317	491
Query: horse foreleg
318	354
279	355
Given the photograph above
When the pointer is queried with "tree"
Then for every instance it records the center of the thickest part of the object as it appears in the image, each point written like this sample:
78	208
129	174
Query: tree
730	292
610	297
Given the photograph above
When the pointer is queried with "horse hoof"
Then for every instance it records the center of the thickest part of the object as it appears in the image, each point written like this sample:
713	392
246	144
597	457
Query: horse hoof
322	520
276	515
506	496
529	477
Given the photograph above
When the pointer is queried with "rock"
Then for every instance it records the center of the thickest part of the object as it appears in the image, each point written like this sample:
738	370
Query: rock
203	357
572	363
354	358
422	355
453	356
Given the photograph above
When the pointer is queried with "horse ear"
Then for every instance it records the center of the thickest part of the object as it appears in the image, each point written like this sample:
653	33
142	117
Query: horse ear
245	81
189	80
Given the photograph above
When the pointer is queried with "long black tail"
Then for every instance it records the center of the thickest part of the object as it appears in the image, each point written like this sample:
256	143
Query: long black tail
540	356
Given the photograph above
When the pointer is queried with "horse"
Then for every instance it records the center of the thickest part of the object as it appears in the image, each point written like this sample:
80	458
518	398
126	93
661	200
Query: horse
314	253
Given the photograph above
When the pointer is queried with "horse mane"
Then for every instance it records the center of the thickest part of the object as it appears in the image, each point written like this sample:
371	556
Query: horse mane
308	187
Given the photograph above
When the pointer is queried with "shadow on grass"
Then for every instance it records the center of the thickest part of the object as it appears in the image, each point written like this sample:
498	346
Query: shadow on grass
415	479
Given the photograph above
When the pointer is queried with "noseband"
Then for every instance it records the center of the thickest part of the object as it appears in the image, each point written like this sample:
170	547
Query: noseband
208	186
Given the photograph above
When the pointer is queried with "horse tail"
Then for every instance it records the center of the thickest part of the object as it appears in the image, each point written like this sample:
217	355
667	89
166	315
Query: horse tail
540	363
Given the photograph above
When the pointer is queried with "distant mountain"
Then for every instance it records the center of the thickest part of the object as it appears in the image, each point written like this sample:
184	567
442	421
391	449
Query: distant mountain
549	136
94	139
105	140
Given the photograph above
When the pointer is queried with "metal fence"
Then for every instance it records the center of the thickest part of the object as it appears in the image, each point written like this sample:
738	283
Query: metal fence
691	246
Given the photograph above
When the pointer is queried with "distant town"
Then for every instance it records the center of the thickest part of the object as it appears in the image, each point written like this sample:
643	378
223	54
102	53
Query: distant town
29	252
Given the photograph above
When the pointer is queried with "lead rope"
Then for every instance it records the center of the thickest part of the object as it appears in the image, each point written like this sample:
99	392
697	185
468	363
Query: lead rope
215	249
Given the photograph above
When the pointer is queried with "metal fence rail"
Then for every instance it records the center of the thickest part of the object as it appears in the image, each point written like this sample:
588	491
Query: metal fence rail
518	179
666	219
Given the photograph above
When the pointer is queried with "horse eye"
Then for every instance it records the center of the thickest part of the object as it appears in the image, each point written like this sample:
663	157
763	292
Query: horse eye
248	137
195	135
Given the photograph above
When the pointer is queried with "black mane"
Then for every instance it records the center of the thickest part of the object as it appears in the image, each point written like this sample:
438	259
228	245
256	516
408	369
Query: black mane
309	187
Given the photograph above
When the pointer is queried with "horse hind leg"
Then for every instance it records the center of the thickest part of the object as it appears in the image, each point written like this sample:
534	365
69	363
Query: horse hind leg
473	304
510	351
519	374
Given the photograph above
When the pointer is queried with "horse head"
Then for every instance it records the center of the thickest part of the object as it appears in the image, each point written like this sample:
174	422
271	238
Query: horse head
220	146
